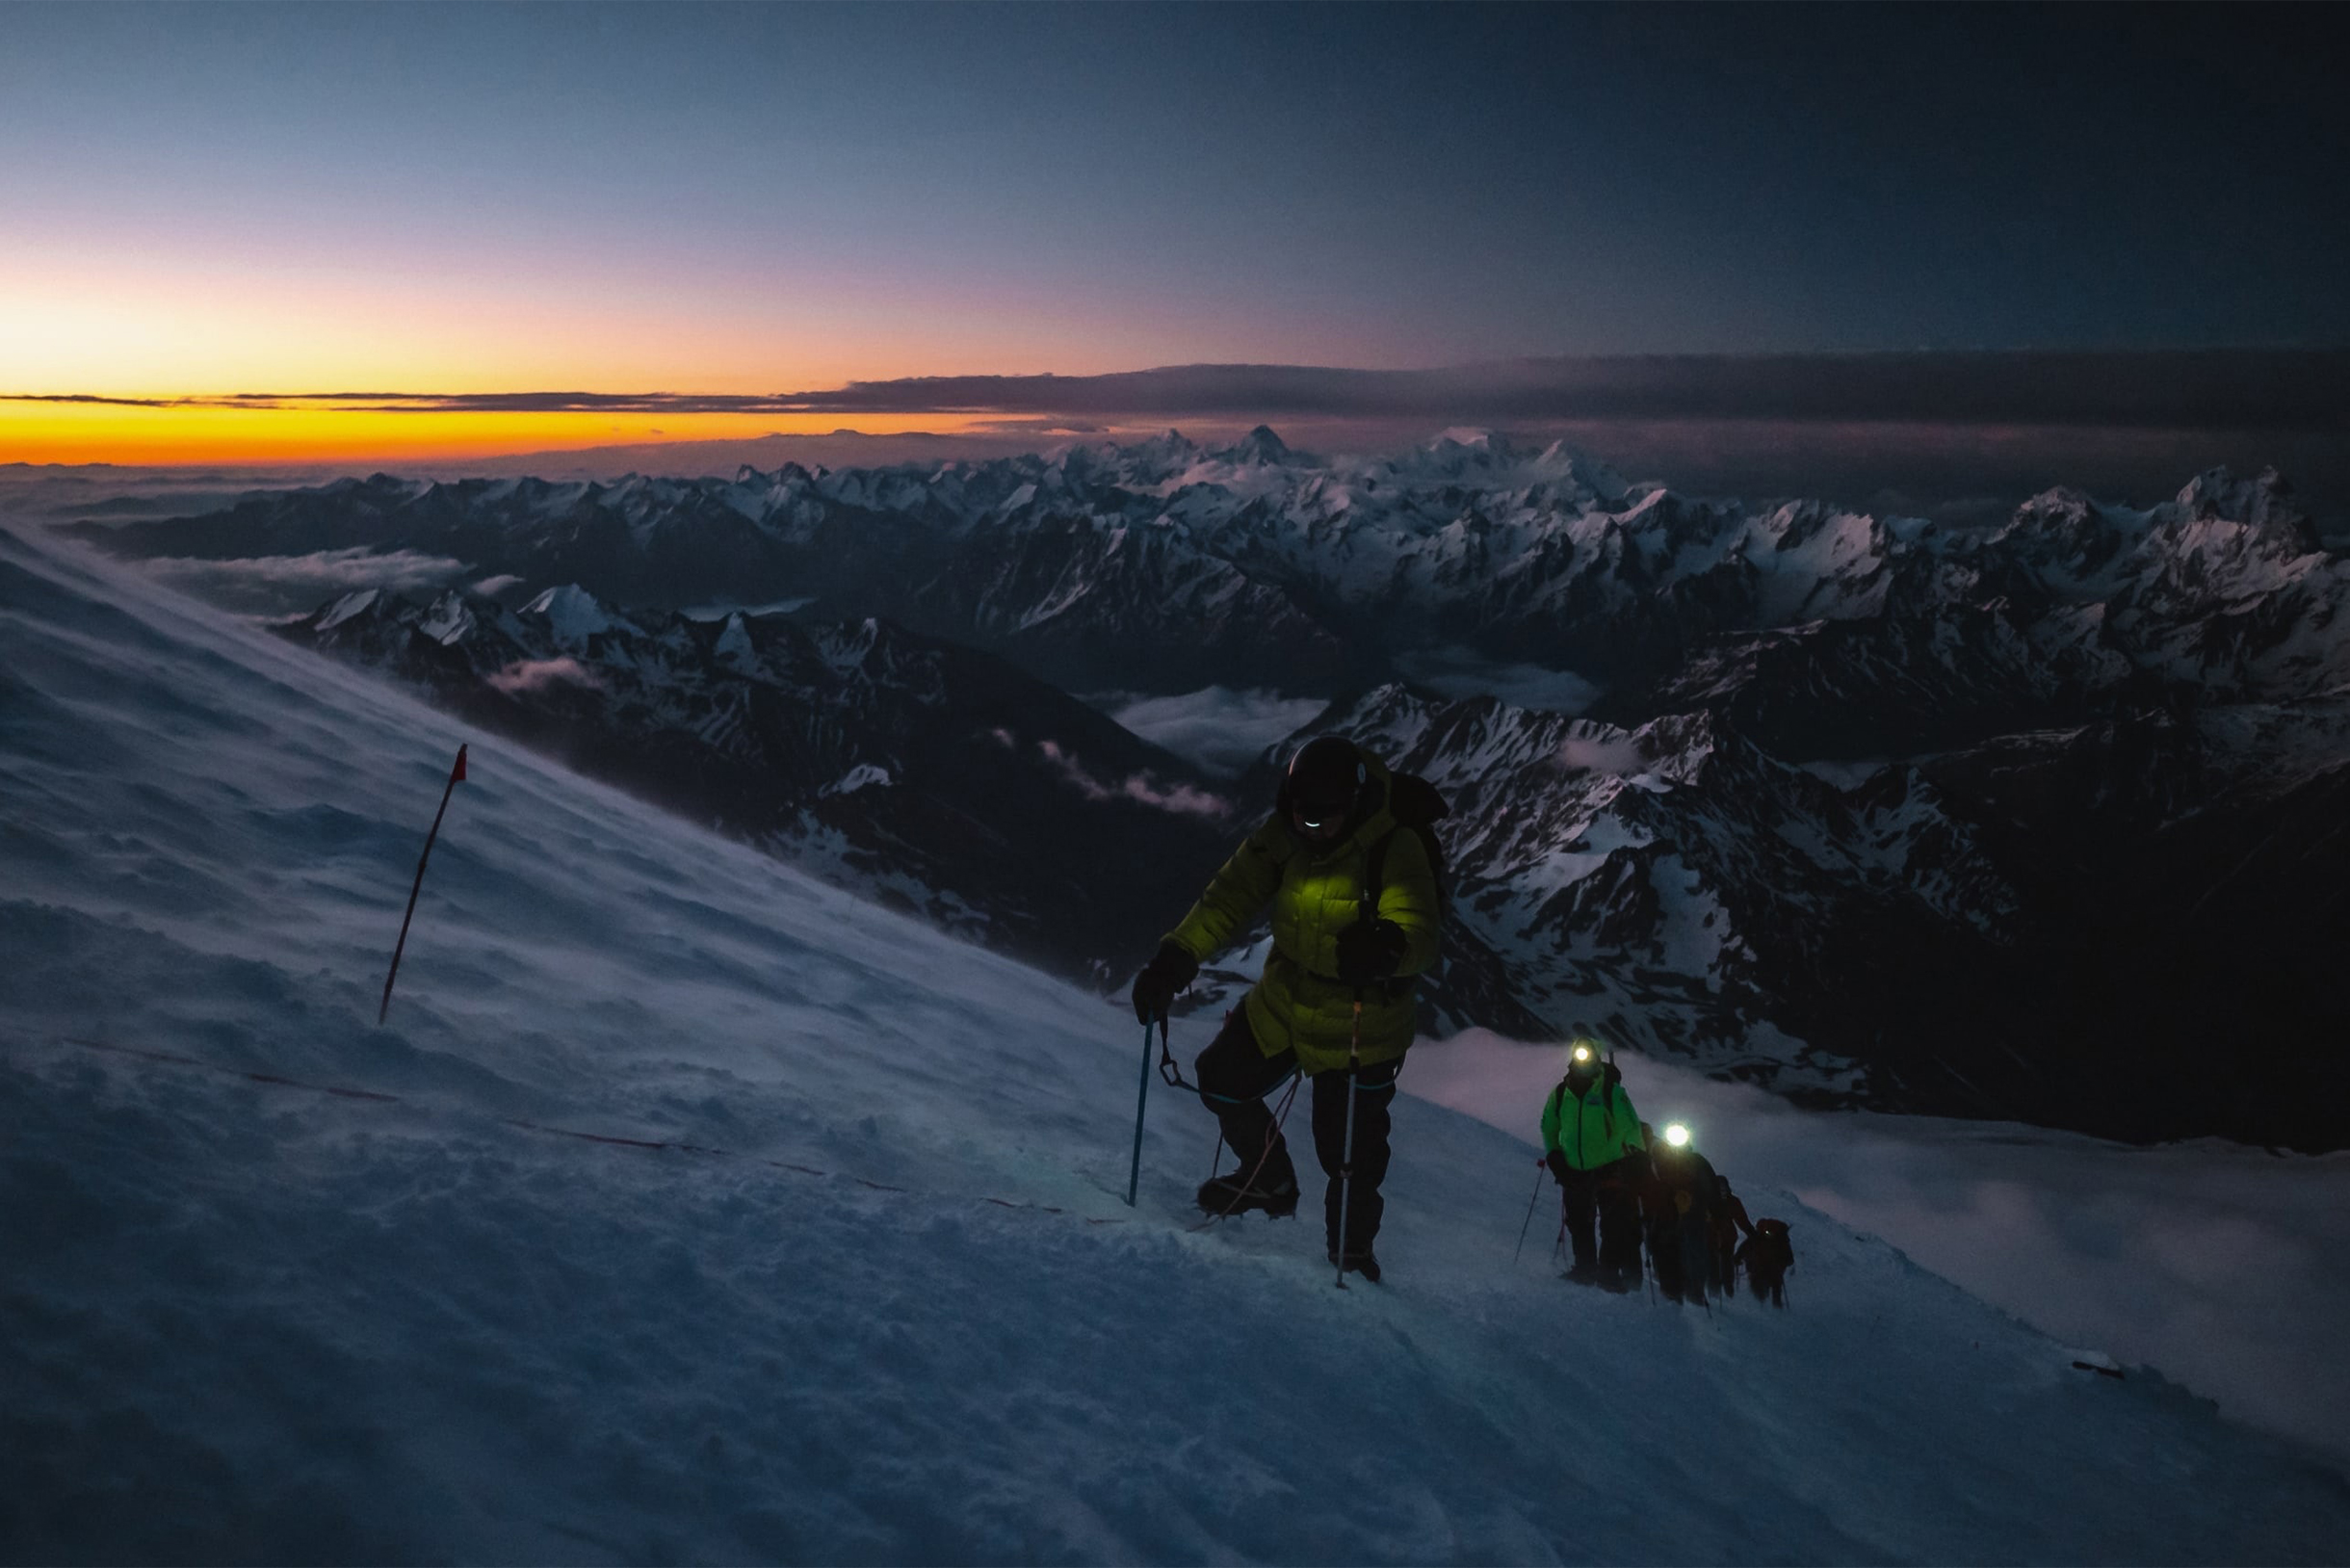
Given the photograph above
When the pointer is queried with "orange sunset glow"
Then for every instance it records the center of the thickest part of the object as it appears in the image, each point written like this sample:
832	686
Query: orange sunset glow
153	347
90	432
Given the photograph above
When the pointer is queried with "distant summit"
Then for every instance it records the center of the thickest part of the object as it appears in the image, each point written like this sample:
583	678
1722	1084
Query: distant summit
1259	446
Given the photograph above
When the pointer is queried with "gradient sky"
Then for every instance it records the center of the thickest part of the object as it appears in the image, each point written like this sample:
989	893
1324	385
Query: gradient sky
450	198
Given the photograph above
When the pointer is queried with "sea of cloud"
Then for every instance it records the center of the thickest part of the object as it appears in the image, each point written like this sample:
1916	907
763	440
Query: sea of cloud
2223	1266
1460	672
1218	730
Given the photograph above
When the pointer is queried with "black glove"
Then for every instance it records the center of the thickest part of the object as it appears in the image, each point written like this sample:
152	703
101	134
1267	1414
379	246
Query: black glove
1556	1160
1160	978
1369	950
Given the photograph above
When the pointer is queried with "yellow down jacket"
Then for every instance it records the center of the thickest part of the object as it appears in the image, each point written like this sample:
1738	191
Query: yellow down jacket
1315	892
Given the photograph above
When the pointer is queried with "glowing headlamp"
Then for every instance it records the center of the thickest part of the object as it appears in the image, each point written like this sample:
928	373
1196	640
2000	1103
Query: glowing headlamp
1678	1135
1582	1056
1320	814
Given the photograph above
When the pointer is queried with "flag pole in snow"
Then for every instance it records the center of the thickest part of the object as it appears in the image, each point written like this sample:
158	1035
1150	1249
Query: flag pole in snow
457	777
1143	1097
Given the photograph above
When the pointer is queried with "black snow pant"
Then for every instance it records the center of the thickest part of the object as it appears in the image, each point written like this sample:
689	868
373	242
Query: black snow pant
1604	1195
1682	1255
1234	1076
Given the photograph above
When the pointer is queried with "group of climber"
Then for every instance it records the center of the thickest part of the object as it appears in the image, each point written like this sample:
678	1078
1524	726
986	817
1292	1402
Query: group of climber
1624	1190
1348	865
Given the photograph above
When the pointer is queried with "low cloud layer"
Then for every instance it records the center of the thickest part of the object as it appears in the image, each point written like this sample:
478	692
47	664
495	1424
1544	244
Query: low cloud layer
296	584
530	675
1463	672
2221	1265
1619	756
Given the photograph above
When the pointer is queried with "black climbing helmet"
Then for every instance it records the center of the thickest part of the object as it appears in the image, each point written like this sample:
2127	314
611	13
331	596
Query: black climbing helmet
1326	778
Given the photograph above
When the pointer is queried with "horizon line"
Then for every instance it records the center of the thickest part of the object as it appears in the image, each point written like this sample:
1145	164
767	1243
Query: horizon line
2198	386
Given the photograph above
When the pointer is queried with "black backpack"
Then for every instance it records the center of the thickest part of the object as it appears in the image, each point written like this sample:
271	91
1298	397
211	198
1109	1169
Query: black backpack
1416	807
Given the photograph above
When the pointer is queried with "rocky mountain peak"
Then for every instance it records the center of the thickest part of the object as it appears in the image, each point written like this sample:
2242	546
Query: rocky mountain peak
573	614
2265	503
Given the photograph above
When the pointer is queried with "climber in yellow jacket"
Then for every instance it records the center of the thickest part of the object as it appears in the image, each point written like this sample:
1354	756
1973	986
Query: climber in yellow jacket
1355	915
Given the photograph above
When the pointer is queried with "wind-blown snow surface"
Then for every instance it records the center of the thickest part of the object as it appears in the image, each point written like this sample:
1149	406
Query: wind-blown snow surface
248	1319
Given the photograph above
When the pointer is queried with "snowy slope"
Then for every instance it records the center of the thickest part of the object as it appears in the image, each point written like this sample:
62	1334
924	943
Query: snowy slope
914	772
904	1316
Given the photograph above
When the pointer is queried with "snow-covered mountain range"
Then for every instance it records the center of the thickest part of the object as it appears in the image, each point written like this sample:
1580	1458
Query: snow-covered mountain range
1867	808
688	1209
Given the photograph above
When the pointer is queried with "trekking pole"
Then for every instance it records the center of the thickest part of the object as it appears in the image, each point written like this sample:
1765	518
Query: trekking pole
1142	1098
1535	1198
1346	1158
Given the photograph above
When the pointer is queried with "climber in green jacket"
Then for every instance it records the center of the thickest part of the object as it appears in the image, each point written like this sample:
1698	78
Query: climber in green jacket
1335	1000
1591	1141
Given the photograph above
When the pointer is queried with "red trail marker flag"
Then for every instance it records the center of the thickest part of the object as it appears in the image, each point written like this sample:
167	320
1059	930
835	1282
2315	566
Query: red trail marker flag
457	777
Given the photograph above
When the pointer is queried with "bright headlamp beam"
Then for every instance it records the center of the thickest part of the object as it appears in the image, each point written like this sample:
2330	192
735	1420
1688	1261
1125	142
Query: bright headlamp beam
1677	1136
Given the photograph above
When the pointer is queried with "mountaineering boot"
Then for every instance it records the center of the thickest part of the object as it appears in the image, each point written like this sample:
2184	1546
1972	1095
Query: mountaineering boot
1231	1194
1365	1263
1584	1273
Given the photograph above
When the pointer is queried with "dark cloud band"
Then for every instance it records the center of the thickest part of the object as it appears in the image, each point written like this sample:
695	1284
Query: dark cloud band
2243	388
2276	389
